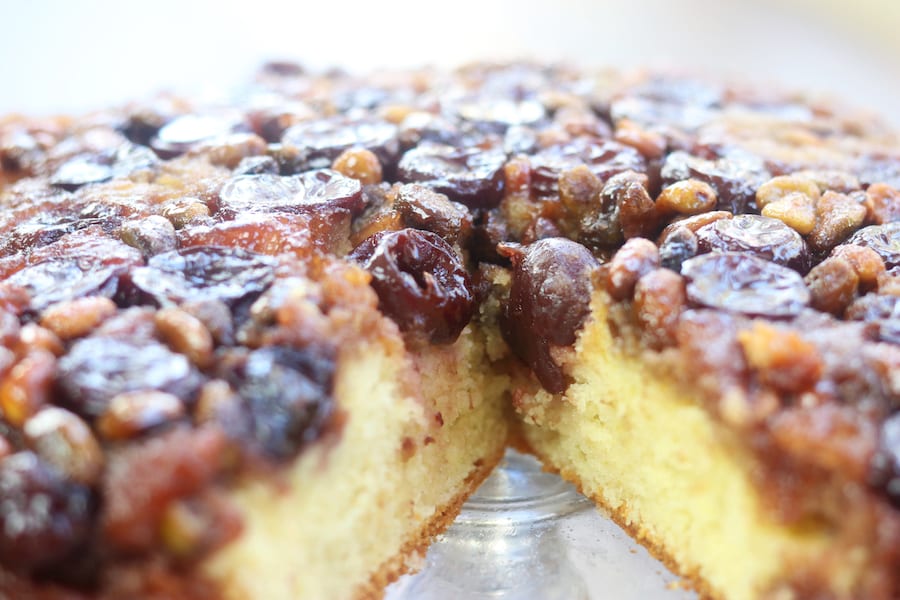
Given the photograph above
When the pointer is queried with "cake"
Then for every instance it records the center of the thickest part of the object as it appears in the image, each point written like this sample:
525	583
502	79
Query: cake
267	349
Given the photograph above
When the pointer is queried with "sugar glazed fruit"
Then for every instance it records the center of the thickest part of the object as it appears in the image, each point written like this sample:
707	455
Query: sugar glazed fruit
181	287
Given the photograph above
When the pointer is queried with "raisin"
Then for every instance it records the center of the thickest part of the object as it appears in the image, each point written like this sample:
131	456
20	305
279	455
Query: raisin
693	223
63	279
883	239
500	113
604	159
151	235
519	139
36	337
636	210
832	285
735	179
633	260
745	284
488	230
181	212
471	176
288	395
866	262
90	247
423	127
835	181
44	517
320	142
42	229
299	193
659	300
204	273
9	326
761	236
782	359
873	307
184	132
649	143
882	204
270	120
624	209
143	122
549	300
80	171
256	165
98	368
680	101
837	216
230	149
680	244
425	209
579	191
420	282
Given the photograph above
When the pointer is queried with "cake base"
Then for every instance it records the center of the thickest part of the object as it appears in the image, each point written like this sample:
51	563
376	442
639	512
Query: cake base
679	482
363	500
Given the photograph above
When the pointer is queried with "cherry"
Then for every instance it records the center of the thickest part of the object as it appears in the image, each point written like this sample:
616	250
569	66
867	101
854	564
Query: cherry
420	282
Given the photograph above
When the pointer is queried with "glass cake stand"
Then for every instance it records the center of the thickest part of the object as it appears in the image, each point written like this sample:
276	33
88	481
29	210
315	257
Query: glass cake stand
528	535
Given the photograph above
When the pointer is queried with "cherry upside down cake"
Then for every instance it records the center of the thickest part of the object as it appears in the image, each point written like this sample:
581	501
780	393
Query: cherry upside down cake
267	349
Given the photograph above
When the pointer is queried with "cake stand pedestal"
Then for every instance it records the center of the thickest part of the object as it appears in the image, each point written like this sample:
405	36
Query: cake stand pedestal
528	535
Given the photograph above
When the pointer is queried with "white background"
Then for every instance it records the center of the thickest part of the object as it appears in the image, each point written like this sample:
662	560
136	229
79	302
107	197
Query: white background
59	55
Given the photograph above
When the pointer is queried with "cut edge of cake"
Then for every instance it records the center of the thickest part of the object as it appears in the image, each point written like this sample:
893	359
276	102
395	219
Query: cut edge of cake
654	459
379	494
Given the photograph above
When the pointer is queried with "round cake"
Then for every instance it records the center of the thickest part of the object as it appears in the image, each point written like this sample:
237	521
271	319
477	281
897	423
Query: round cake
266	349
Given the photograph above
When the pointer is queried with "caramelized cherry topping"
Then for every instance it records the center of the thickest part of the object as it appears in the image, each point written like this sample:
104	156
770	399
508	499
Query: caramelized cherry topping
760	236
746	284
548	302
420	282
204	273
471	176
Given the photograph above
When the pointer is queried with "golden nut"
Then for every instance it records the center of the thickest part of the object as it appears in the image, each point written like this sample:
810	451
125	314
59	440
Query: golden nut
360	164
132	413
649	143
26	388
33	336
180	212
185	334
837	216
783	185
867	263
65	441
78	317
795	210
689	197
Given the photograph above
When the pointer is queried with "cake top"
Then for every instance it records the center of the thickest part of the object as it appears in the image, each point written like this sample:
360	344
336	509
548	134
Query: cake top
169	269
